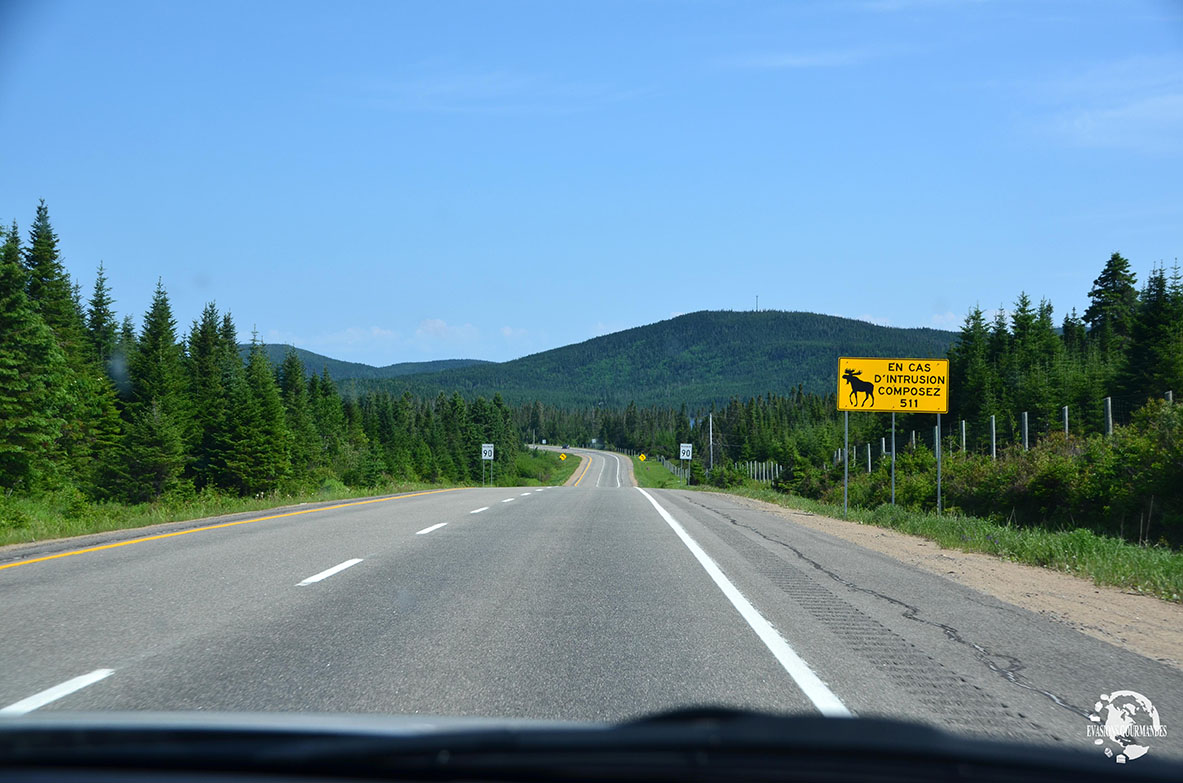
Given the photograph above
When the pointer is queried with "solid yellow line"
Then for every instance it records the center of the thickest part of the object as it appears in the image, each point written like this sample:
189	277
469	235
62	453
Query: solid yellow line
215	527
586	468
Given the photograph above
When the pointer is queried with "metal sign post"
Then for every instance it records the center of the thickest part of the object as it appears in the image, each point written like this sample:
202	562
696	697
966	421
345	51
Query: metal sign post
938	447
845	461
888	386
486	456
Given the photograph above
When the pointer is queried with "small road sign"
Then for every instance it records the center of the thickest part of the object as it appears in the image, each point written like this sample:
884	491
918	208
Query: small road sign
563	457
893	385
685	450
641	457
486	451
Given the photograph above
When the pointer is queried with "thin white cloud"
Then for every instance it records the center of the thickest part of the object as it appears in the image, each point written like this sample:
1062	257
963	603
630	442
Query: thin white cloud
911	5
431	87
354	337
945	320
510	332
1135	103
837	58
436	329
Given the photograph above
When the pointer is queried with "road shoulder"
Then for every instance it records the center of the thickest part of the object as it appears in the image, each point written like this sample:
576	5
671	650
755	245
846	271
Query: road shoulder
1140	623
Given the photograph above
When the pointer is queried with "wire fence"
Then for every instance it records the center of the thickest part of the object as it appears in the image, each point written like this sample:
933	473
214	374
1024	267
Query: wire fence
993	435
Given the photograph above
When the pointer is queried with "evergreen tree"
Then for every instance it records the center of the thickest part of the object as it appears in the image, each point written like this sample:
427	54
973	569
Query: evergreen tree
1112	302
31	367
1074	334
205	361
48	283
153	444
1154	361
100	320
259	460
125	347
297	411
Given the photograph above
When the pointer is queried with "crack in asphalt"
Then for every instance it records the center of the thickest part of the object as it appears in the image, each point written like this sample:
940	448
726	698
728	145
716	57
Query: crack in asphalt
1009	671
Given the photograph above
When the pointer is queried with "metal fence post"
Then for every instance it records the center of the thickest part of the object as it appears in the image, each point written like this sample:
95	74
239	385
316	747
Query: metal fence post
1025	446
1065	412
1108	415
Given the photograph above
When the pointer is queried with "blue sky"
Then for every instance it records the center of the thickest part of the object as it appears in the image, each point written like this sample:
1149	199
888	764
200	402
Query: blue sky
387	182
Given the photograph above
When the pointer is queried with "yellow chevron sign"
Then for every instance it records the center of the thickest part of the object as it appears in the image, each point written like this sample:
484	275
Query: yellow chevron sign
563	456
893	385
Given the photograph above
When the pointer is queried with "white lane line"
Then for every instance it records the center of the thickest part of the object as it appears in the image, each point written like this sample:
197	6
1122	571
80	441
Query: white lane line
537	491
617	470
479	510
508	500
809	683
600	475
329	572
56	692
524	494
429	529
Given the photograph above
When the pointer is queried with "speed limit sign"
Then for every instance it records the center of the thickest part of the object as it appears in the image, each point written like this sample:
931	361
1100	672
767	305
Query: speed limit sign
685	450
486	451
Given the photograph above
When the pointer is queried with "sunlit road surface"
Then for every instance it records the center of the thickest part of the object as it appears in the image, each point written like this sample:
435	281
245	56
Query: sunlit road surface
595	601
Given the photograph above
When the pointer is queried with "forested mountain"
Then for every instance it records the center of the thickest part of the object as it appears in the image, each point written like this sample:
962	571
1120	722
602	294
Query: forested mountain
315	363
694	359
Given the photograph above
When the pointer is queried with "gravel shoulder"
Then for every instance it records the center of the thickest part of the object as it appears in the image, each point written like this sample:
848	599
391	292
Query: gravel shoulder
1143	624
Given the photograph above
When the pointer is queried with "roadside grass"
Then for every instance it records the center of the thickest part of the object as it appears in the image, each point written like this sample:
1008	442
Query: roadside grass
542	468
1150	570
652	474
67	513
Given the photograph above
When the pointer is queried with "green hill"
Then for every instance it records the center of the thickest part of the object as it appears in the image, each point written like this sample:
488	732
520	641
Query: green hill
695	359
315	363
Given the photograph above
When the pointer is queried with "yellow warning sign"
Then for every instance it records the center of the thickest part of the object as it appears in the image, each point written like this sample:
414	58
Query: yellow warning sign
642	458
893	385
563	456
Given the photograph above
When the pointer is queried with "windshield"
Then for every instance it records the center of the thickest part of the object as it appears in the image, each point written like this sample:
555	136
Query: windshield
582	361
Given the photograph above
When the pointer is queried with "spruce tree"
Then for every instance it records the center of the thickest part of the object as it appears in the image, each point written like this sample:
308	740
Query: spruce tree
297	410
1154	360
153	445
48	284
1112	303
100	320
31	370
274	444
204	370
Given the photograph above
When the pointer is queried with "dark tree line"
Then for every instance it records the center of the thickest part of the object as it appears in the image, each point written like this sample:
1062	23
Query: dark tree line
90	402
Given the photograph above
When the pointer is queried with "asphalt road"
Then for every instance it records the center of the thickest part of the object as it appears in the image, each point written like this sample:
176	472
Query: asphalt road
594	601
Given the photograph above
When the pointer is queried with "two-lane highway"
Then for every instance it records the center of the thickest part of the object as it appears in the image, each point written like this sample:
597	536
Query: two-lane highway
592	601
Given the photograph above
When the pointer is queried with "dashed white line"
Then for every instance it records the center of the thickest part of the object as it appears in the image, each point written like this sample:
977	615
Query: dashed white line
429	529
523	494
479	510
329	572
507	500
809	683
56	692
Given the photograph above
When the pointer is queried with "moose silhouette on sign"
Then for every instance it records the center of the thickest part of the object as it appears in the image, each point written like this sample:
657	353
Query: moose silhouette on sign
859	385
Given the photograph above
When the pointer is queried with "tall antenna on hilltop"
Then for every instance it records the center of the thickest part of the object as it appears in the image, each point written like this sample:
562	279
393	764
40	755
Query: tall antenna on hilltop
757	303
